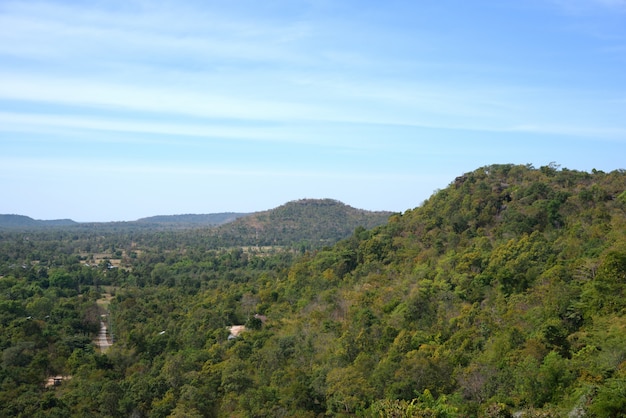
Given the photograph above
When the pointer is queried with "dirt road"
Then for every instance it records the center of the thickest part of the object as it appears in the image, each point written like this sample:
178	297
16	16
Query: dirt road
103	341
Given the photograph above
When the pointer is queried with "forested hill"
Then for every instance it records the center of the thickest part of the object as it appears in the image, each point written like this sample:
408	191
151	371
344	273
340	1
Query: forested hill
502	294
311	222
21	221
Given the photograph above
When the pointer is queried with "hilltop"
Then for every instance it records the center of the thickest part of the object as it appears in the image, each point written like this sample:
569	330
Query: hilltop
310	222
504	292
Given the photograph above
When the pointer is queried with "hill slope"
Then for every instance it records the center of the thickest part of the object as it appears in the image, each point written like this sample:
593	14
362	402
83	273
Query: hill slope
505	291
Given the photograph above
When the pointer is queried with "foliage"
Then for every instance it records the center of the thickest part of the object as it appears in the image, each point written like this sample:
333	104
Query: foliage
502	295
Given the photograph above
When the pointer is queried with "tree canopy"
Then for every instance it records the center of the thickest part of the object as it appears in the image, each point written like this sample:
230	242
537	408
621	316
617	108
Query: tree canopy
502	294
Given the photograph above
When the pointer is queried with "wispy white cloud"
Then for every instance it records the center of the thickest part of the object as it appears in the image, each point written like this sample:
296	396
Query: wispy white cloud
171	61
277	120
91	130
150	98
96	166
162	35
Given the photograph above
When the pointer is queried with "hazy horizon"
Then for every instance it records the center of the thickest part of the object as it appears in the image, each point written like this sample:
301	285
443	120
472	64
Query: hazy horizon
155	215
114	111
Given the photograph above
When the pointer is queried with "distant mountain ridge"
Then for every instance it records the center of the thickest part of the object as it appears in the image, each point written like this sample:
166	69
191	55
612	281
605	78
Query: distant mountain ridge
311	222
19	221
195	219
211	219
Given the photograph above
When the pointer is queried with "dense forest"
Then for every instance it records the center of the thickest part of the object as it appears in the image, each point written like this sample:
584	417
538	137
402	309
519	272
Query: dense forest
501	295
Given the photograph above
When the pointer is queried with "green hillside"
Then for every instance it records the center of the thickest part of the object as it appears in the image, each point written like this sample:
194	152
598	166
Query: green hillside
502	294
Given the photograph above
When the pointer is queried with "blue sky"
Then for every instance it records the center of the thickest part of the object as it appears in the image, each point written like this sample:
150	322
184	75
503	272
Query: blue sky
116	110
